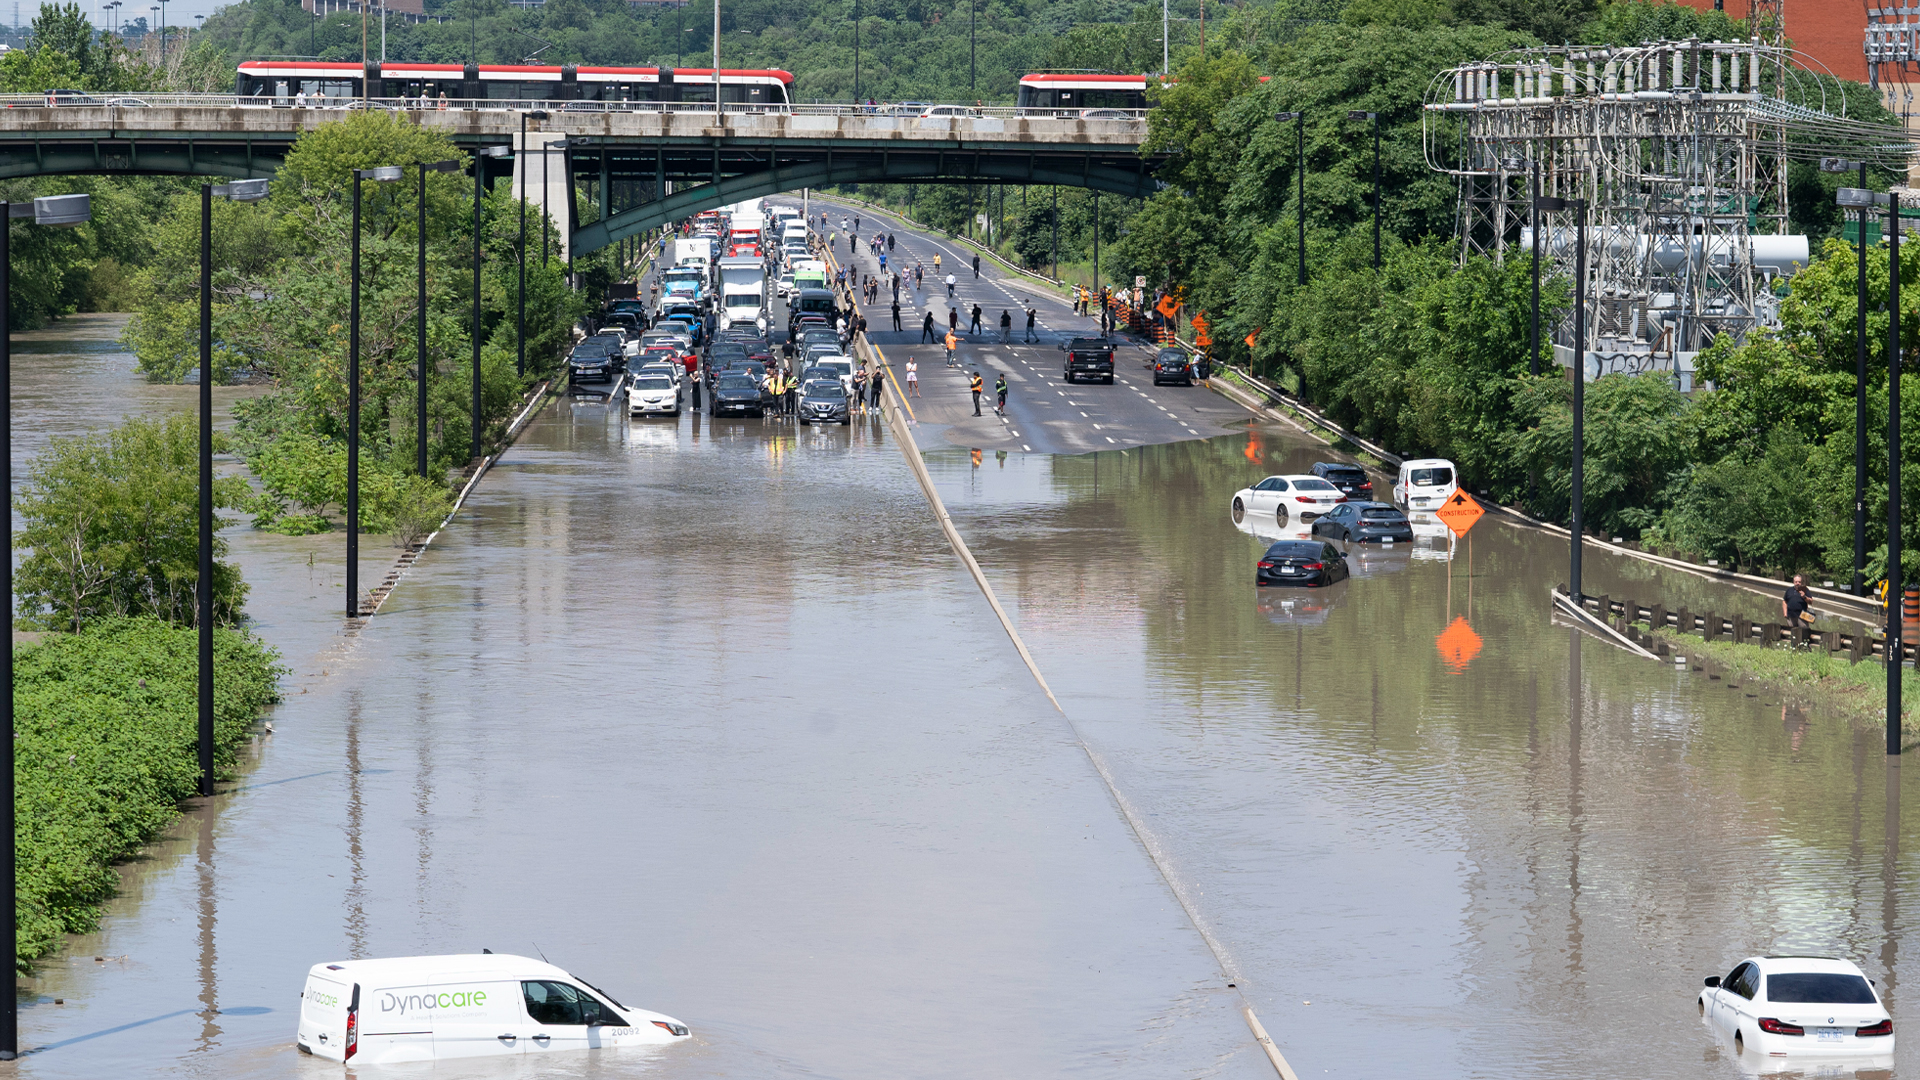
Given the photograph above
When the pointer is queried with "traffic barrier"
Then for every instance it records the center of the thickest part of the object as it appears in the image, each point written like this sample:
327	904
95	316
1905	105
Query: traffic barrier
1624	615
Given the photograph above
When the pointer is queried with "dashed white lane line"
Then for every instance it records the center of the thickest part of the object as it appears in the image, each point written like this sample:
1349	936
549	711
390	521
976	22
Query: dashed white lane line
1083	414
1109	438
1027	448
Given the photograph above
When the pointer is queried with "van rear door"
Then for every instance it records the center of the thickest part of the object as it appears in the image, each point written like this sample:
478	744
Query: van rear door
323	1017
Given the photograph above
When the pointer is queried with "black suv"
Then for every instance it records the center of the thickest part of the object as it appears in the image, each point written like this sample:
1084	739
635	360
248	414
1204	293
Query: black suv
1350	479
1089	357
1172	365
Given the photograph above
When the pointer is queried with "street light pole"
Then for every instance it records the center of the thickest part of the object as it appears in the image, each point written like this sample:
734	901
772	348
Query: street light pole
1533	353
520	171
1579	207
420	343
1861	201
1300	174
382	174
1895	589
59	210
238	191
480	157
353	414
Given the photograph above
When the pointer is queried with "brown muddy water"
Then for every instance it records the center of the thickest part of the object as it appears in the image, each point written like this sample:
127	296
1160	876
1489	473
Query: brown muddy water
709	715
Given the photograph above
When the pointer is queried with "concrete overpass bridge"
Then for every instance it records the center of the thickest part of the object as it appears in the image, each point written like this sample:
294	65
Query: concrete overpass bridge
636	168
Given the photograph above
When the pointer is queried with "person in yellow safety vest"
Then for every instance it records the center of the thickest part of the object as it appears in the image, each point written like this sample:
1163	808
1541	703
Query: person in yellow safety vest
977	386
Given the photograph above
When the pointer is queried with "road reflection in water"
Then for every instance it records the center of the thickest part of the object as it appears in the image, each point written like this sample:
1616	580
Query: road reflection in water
1431	860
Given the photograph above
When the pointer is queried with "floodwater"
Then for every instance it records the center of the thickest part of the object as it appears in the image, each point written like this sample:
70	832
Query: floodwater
1439	834
709	715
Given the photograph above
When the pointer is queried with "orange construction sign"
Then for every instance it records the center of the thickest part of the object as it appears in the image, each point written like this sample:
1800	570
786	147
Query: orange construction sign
1167	306
1250	337
1201	337
1460	512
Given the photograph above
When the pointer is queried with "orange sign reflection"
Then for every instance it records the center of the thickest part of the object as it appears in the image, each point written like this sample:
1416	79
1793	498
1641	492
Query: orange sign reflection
1458	645
1253	447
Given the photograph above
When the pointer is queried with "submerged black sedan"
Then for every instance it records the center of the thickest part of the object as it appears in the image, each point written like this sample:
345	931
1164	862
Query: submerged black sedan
1301	562
1365	522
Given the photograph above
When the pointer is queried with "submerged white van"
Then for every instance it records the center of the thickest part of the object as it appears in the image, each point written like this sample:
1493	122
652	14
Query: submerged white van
421	1008
1425	483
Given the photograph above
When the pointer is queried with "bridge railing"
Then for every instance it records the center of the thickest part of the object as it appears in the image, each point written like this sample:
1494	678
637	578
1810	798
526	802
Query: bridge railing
916	110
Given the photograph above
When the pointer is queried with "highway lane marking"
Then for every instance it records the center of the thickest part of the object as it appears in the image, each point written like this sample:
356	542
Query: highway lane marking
1082	414
1109	438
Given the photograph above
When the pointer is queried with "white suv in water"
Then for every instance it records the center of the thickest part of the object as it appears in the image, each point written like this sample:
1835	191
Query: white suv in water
1798	1006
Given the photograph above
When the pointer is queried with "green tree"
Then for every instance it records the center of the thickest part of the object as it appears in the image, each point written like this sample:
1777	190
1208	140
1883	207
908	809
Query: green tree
1634	445
110	524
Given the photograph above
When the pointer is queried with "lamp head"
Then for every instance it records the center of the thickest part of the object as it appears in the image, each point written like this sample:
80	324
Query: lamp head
1854	198
493	151
243	190
449	165
1360	114
536	114
385	174
1837	165
59	211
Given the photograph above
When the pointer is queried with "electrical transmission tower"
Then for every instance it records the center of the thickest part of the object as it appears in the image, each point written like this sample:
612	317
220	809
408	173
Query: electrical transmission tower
1679	149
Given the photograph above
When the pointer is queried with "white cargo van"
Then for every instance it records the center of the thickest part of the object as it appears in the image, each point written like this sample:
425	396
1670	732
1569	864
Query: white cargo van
1425	483
422	1008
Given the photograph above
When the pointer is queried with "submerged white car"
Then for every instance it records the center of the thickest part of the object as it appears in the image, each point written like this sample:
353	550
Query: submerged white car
1798	1006
653	394
1287	496
424	1008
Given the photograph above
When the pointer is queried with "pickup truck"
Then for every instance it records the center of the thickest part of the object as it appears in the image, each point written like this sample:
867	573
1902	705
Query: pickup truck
1089	357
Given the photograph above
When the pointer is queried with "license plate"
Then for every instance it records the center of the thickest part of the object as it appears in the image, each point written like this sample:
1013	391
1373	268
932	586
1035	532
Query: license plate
1829	1034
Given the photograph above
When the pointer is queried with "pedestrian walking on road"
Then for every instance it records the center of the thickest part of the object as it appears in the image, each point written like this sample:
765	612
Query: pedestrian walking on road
974	327
953	347
917	277
950	286
977	386
926	330
1000	393
1006	326
889	241
936	263
953	319
976	266
1032	316
913	377
896	312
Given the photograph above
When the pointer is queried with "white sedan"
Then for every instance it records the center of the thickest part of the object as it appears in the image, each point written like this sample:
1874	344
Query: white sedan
1798	1006
1287	496
651	394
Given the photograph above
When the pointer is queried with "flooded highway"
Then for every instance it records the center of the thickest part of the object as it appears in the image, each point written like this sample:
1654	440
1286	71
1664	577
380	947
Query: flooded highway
710	715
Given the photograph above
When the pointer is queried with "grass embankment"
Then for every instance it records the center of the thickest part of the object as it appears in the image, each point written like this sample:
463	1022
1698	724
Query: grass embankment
1809	677
105	749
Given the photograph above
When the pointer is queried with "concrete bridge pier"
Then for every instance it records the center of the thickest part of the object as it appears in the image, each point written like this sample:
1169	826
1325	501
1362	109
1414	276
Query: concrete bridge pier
540	172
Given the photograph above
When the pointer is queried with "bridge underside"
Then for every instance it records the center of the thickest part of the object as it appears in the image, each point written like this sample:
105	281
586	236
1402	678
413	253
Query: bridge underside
68	155
622	179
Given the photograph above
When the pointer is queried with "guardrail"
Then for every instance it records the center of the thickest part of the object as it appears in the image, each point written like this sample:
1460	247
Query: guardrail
414	104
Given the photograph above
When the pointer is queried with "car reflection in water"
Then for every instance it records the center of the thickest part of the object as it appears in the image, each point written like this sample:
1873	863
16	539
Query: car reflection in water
1432	540
644	434
1299	607
1264	526
1377	560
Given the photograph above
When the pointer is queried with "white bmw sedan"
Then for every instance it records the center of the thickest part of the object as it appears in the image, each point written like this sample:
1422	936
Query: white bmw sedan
1798	1006
1281	497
